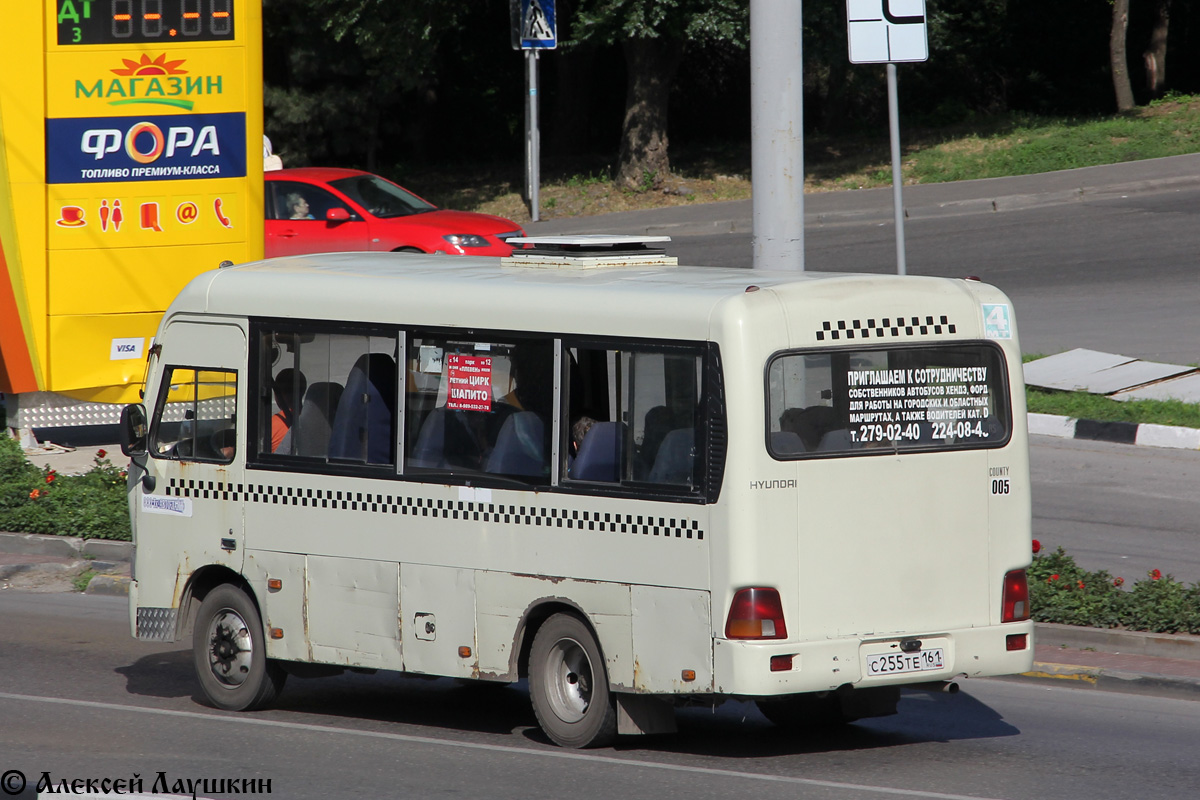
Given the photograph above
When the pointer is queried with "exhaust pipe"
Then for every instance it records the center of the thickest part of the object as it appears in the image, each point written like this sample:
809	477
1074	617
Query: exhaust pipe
949	687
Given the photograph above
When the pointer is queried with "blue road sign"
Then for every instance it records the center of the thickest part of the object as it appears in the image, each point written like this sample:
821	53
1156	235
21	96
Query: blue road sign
535	27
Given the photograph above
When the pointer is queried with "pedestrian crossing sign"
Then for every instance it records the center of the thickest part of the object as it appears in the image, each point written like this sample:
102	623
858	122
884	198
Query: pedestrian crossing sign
534	26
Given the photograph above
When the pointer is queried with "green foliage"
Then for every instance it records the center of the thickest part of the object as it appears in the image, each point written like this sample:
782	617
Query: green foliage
1021	144
1081	405
697	22
91	506
81	581
1061	591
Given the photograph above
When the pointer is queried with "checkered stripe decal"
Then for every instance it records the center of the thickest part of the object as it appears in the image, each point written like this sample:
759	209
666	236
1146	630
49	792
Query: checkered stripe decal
538	516
886	327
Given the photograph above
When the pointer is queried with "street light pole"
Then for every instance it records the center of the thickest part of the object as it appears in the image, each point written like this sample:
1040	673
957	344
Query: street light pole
777	134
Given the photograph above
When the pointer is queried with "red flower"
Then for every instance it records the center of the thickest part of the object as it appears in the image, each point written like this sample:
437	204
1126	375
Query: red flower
35	494
1118	581
50	476
1155	575
1037	546
1053	577
101	453
1080	584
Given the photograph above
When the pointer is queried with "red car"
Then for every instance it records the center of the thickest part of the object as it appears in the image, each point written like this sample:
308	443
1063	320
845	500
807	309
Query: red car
326	210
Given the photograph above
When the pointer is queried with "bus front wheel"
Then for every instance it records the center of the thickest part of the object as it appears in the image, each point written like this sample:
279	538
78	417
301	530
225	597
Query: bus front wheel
230	654
568	685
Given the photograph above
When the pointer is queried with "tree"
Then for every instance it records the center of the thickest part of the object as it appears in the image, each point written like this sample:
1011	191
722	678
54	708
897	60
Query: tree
341	65
654	36
1116	55
1155	54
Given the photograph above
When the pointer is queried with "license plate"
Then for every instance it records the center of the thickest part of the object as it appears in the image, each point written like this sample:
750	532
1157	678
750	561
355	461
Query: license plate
899	663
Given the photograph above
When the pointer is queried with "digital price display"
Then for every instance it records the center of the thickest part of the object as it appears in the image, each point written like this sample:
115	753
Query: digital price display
144	21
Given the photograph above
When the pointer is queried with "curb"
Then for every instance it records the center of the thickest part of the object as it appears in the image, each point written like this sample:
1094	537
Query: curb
1108	640
109	559
1115	640
1111	680
1147	434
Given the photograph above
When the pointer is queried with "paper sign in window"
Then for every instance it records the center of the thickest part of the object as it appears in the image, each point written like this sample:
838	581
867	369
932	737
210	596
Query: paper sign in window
469	380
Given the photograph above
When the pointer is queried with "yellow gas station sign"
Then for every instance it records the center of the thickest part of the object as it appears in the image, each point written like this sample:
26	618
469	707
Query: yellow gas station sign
129	163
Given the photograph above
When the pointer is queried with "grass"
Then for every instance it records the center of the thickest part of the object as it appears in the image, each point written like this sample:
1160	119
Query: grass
983	147
1081	405
81	581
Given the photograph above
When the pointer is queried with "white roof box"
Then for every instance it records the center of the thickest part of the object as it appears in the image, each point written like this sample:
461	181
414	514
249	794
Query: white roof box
589	251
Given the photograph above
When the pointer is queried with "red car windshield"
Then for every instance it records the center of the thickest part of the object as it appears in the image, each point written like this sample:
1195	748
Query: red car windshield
380	198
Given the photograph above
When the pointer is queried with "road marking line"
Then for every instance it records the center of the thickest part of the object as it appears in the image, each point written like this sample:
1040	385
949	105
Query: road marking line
426	740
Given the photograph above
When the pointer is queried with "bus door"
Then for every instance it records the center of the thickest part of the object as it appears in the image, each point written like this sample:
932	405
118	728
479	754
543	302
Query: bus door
190	512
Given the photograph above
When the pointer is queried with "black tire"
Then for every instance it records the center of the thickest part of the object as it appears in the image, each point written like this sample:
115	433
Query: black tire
408	250
568	685
230	654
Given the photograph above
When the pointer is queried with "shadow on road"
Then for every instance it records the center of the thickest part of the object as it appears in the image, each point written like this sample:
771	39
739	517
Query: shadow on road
160	675
735	729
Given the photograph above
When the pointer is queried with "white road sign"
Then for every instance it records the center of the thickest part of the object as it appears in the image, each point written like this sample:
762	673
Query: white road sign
883	31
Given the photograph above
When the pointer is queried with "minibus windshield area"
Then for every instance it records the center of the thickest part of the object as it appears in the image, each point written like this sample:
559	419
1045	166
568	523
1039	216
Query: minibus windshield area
876	401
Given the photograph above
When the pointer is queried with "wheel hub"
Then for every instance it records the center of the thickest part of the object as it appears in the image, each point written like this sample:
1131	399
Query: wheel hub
231	649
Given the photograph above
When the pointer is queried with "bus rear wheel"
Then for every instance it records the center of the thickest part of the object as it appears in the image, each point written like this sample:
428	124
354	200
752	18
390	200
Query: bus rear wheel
568	685
230	654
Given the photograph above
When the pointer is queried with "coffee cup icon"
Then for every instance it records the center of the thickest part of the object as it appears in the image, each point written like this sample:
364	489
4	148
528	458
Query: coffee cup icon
71	217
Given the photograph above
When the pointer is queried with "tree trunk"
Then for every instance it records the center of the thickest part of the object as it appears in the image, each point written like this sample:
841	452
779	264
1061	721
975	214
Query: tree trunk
1116	55
651	63
1156	54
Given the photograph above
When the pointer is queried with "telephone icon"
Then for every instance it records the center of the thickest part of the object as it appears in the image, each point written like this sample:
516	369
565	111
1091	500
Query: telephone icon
221	218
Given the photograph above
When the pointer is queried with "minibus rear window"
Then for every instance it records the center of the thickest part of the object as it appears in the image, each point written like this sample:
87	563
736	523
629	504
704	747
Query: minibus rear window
870	402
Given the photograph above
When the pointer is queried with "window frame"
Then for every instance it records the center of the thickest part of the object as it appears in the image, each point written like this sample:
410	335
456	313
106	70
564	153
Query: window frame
710	443
1003	384
160	406
258	423
710	411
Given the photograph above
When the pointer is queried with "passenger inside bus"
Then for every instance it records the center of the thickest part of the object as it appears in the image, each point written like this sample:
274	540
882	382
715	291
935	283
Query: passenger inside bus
287	387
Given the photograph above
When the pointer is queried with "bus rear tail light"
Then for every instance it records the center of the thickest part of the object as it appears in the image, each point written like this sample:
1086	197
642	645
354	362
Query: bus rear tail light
756	613
1015	602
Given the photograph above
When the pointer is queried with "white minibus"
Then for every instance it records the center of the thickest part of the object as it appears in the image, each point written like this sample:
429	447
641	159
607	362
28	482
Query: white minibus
636	484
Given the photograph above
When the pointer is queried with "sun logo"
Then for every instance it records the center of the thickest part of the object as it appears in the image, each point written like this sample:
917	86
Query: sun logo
151	66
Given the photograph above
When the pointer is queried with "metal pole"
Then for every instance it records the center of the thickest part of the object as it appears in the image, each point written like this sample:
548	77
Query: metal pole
777	134
533	144
897	177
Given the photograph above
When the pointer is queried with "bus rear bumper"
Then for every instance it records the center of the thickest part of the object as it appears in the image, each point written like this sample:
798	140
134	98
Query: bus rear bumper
765	669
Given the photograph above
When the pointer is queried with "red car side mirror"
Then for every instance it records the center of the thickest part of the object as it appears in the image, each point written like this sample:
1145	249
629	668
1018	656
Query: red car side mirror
337	215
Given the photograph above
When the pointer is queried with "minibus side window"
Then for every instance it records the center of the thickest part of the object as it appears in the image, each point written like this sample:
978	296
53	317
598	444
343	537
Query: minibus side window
327	396
195	419
479	406
634	416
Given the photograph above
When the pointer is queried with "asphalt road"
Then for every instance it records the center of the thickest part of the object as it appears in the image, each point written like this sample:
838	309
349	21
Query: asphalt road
1116	507
79	699
1113	274
1112	268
